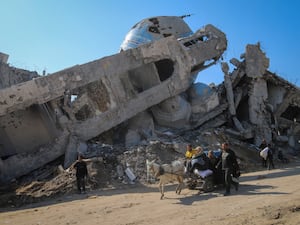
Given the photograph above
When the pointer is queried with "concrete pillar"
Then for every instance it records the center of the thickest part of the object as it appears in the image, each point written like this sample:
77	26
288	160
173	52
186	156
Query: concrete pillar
3	57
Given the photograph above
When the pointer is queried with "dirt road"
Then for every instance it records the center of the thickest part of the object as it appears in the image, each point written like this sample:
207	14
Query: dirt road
264	197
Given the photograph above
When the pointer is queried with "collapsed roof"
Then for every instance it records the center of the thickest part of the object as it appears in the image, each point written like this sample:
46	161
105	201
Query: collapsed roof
136	93
48	116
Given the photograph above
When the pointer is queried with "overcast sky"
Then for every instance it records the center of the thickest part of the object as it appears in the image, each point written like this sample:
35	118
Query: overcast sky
57	34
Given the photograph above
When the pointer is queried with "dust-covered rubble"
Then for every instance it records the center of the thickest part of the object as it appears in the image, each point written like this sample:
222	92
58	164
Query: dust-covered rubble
148	108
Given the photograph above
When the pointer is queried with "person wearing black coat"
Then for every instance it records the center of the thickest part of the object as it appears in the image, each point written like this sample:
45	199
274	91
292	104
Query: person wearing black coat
216	167
270	162
81	174
230	168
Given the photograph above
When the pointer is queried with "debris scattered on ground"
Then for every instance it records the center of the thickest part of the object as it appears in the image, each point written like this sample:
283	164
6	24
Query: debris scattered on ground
147	108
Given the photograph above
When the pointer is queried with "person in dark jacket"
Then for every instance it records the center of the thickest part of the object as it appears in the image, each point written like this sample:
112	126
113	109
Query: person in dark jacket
270	162
81	174
216	167
230	167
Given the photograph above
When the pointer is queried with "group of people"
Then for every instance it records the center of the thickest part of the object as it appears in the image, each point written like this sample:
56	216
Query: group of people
224	168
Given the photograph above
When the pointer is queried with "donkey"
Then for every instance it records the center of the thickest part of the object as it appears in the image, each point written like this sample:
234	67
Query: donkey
167	173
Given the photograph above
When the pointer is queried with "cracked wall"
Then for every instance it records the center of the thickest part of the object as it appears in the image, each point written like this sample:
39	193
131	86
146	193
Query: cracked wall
81	102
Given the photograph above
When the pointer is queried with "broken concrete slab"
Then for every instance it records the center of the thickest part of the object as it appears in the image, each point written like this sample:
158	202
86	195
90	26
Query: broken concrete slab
251	104
129	82
3	57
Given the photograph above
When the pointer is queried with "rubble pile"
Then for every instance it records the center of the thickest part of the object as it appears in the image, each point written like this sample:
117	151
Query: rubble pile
106	170
140	104
107	165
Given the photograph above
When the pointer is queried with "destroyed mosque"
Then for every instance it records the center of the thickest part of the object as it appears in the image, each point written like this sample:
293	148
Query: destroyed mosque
146	89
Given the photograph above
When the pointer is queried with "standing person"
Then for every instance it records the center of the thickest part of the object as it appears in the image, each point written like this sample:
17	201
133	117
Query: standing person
212	161
81	174
262	146
215	166
212	158
270	157
230	167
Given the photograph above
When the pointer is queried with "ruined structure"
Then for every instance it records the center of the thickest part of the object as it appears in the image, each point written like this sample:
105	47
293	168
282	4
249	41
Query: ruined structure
45	117
261	104
140	93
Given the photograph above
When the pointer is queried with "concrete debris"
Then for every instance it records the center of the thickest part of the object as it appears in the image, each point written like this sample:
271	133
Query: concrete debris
143	104
38	111
3	58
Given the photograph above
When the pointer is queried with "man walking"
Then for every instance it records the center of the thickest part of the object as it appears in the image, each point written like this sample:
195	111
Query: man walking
270	162
81	174
230	167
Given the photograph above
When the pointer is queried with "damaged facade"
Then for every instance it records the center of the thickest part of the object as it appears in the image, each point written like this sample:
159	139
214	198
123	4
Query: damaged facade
145	89
262	105
47	117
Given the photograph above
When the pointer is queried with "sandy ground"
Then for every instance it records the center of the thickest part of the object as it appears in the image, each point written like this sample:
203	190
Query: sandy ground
264	197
